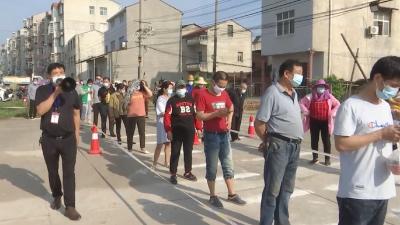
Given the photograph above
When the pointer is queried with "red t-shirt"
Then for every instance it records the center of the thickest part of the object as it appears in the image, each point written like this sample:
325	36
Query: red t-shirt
208	103
319	110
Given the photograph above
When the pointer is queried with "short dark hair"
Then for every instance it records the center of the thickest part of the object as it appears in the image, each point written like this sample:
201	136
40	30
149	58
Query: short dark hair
106	78
53	66
288	65
89	81
220	75
120	86
388	67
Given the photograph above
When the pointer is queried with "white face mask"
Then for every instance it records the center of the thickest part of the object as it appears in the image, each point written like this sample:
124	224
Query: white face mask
181	92
244	91
170	92
58	77
107	85
218	90
190	83
35	82
320	90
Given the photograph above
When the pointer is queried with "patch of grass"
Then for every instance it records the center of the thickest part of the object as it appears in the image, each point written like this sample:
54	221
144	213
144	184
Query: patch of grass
7	110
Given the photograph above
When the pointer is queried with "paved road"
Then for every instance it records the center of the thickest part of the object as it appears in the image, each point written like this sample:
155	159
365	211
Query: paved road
116	188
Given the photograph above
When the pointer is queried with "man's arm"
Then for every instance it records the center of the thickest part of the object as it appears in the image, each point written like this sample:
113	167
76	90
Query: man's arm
201	115
352	143
77	123
46	105
230	115
261	129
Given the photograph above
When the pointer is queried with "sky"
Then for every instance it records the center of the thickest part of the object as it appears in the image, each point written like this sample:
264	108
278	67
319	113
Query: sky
13	12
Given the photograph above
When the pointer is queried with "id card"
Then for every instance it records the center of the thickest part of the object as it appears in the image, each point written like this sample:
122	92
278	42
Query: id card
55	116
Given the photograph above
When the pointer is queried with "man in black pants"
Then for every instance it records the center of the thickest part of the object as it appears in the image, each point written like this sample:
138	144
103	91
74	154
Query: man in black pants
179	122
60	124
104	98
31	94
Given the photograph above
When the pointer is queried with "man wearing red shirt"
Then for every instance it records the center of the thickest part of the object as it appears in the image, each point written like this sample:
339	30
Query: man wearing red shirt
215	109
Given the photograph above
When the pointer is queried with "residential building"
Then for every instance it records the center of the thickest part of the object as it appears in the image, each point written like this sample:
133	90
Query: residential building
294	31
11	46
72	17
234	54
21	65
260	71
160	36
80	51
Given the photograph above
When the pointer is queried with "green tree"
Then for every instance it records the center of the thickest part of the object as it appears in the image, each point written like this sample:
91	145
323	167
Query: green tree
338	87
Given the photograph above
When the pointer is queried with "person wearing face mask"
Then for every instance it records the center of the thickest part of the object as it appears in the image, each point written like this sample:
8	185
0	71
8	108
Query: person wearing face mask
104	98
364	133
179	120
319	111
98	83
32	88
117	114
189	85
279	126
238	96
60	125
86	99
165	92
215	109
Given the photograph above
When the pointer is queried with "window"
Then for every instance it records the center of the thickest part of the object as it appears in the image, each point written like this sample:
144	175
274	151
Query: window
112	46
61	41
91	10
230	30
285	23
382	20
121	18
92	26
200	55
240	56
121	40
61	25
103	11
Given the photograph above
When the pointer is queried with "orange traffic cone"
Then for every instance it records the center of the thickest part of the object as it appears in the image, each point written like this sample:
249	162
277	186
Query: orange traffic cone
95	145
252	130
196	139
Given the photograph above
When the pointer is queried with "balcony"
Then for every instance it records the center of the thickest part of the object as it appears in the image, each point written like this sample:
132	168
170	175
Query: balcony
193	67
199	40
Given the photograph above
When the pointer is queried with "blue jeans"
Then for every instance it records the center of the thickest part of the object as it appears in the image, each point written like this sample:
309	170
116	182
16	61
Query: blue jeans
362	212
217	146
281	160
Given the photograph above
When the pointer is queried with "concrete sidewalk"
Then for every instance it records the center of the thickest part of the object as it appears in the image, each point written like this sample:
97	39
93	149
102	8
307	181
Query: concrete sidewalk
111	189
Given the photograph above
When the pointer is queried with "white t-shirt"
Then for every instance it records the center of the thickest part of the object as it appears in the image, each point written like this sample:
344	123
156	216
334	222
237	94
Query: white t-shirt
364	174
160	107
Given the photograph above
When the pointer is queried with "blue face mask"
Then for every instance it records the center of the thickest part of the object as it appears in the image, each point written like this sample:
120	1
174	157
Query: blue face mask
297	80
387	92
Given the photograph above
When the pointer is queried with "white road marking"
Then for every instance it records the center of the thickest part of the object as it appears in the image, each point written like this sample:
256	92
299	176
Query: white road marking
333	187
258	159
257	198
33	153
238	176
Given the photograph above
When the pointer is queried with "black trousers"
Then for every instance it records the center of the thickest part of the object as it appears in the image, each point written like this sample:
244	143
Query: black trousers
181	136
32	109
103	110
362	212
140	122
118	122
52	150
236	123
320	127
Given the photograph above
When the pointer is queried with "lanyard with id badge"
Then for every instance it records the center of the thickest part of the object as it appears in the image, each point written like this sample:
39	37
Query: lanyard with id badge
55	115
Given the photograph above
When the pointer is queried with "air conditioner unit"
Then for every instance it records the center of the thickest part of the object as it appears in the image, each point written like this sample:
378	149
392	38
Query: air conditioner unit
373	30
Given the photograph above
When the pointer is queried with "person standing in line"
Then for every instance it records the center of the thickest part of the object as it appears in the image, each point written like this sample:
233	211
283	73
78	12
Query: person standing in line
238	96
319	111
199	86
190	83
32	94
60	125
86	99
104	98
138	93
96	101
215	109
279	125
364	133
179	122
164	94
116	111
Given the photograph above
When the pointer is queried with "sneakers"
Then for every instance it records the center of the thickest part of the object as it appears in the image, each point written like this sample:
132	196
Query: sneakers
236	199
71	213
144	151
173	180
103	135
214	201
56	204
190	176
314	161
119	142
113	135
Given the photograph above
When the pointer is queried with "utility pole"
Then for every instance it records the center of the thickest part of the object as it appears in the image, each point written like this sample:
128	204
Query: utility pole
329	39
140	42
215	38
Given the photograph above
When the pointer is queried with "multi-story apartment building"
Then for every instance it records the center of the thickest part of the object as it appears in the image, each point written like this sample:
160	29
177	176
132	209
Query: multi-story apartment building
234	54
11	47
22	68
310	31
72	17
160	38
81	50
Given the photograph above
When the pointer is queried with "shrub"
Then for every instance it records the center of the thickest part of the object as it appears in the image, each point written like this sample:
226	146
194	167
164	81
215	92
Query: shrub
338	87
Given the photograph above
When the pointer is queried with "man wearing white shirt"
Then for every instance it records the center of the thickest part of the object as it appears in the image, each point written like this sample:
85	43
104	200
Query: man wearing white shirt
364	133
